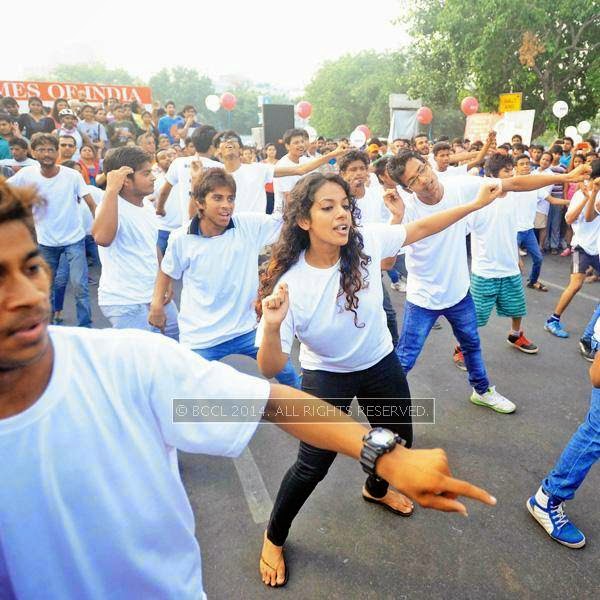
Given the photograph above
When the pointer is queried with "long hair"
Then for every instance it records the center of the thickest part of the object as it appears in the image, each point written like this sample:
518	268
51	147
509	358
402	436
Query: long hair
293	240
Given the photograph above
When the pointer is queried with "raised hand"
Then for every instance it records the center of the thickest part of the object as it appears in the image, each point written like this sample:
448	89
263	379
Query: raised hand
488	192
275	306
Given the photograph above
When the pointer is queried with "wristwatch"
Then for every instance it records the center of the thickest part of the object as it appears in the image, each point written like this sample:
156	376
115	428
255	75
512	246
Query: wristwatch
377	442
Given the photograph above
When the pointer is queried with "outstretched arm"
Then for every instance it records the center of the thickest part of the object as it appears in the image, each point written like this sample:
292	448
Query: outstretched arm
423	475
525	183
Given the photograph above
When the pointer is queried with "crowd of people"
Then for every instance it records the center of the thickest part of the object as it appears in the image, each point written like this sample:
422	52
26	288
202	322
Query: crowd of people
270	251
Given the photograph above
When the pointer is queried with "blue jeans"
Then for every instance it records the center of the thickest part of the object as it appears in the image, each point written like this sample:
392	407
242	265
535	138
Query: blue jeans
555	218
390	314
76	263
581	452
244	344
589	330
91	250
163	240
135	316
398	270
417	324
527	240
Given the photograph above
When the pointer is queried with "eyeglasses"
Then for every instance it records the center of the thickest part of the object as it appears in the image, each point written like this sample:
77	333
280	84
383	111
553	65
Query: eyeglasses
421	171
225	140
67	145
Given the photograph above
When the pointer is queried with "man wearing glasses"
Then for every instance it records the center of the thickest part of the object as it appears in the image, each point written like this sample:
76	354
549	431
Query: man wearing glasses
438	273
67	145
58	225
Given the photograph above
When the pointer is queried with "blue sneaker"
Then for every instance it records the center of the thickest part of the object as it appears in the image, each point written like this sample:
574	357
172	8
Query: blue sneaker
549	512
555	328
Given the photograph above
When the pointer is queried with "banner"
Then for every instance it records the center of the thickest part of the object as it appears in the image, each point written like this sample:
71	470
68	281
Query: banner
94	93
510	102
505	126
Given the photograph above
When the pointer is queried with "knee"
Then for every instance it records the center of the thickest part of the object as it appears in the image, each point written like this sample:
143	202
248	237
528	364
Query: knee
314	471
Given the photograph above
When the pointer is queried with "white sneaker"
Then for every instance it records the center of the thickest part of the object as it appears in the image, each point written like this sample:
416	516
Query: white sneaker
522	252
494	400
399	286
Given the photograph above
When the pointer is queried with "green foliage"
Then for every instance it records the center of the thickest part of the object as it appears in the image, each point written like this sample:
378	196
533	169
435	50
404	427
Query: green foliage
463	48
184	86
353	90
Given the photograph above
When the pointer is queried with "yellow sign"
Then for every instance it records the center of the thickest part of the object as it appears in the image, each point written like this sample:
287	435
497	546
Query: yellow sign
510	102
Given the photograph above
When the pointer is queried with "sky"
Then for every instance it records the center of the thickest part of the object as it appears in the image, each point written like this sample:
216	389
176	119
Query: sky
267	41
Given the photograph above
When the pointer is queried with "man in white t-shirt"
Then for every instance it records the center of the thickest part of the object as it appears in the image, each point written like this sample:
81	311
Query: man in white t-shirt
179	172
527	207
19	148
495	275
126	231
88	436
216	256
58	224
438	273
251	178
442	154
291	167
172	219
368	193
584	220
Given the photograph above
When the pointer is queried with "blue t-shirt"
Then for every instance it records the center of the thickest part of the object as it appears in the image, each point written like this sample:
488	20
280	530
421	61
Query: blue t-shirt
564	160
165	123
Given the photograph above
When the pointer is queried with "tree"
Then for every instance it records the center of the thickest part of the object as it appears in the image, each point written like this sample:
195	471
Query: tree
353	90
184	86
89	73
546	49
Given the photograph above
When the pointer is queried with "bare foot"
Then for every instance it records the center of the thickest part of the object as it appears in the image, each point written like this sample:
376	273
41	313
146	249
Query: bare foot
394	499
272	565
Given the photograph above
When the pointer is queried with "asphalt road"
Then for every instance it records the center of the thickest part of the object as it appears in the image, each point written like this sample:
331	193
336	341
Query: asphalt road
341	548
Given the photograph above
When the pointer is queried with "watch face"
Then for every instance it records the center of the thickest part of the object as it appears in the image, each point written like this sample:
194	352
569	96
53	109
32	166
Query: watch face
382	437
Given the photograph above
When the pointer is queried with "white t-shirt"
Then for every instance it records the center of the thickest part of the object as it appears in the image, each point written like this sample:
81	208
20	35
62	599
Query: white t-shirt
527	206
220	278
250	181
585	235
543	206
130	263
172	219
329	339
281	185
91	502
58	222
371	205
87	218
494	230
451	171
180	173
438	273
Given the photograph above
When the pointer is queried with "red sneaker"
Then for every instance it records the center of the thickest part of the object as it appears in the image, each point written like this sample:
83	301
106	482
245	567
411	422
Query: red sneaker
521	343
459	359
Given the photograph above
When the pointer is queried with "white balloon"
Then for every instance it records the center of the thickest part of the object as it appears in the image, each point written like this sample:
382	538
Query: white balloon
577	139
358	138
571	131
584	127
560	109
312	133
212	102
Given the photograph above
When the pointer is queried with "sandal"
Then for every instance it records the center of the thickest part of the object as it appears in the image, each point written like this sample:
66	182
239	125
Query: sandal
540	287
388	507
287	572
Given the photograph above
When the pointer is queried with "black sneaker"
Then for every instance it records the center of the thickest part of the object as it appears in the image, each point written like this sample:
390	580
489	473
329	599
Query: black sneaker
585	347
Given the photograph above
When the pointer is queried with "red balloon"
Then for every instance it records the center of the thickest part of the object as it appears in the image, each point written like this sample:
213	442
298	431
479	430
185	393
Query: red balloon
365	130
304	109
228	101
424	115
469	105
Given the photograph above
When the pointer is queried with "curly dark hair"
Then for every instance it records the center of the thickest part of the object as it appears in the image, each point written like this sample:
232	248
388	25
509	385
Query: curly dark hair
293	240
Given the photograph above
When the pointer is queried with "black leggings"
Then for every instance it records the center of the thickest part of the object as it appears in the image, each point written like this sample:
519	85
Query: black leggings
383	384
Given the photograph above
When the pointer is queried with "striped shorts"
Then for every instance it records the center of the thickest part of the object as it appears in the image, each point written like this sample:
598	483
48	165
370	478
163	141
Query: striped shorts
507	294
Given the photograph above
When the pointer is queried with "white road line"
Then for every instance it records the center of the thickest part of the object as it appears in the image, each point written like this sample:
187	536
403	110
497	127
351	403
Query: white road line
257	496
579	294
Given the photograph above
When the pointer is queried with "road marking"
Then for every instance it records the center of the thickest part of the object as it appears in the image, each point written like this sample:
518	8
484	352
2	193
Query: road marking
257	496
578	295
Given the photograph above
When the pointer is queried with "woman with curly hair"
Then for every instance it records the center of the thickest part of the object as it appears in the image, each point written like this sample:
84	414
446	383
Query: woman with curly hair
323	286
